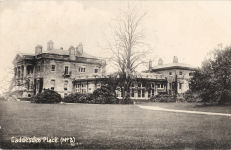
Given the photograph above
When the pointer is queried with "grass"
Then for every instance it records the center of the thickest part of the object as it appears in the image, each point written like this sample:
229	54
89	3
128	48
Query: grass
113	126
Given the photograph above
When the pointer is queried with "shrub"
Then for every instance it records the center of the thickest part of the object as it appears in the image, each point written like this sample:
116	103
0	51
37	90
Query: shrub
104	95
47	96
126	101
163	98
191	97
78	98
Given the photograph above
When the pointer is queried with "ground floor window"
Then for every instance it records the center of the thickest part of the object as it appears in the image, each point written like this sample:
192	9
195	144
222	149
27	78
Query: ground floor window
180	85
150	92
81	88
153	92
143	92
133	93
139	92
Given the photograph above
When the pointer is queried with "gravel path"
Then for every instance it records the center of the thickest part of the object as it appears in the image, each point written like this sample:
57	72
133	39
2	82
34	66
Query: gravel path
182	111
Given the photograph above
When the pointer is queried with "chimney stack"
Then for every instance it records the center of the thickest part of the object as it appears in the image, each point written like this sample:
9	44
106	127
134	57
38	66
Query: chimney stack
80	48
150	65
72	53
160	61
175	59
50	45
38	49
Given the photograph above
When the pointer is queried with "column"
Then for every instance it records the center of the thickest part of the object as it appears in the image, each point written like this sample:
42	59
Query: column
25	71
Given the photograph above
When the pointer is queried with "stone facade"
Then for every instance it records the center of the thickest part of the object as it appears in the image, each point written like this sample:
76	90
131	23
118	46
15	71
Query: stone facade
74	71
54	69
175	73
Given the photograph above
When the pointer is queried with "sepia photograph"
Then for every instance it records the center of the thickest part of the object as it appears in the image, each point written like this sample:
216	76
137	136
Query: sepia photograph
100	74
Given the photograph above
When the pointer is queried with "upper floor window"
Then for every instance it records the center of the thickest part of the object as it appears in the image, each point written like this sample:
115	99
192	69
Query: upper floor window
160	86
180	85
180	73
52	67
170	73
65	85
96	70
190	74
52	84
82	69
66	70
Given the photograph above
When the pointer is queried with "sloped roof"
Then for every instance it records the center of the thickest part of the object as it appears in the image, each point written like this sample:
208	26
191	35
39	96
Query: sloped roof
25	54
173	66
66	52
20	56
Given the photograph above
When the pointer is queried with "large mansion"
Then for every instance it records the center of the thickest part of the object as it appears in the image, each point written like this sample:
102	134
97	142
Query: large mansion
74	71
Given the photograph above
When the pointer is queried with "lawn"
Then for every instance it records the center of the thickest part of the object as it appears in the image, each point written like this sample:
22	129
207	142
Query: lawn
113	126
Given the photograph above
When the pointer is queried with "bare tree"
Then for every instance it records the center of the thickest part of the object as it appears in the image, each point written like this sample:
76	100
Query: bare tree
128	47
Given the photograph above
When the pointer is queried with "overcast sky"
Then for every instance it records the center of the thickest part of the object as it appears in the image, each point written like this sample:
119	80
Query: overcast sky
188	29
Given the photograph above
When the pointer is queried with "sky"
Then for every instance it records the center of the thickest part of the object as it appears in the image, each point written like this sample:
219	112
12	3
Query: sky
186	29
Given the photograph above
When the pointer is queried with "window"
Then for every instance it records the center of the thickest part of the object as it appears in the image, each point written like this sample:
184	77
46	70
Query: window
82	69
190	74
96	70
139	92
66	70
143	92
162	85
78	86
158	85
133	93
180	73
83	85
170	73
52	84
152	92
149	93
38	68
139	85
65	85
180	85
52	67
122	93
